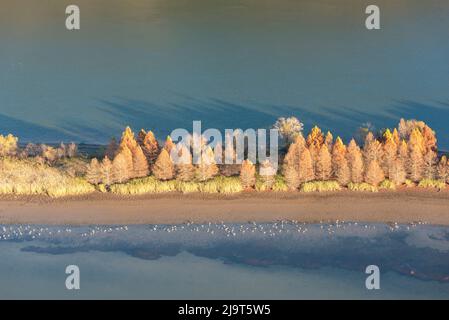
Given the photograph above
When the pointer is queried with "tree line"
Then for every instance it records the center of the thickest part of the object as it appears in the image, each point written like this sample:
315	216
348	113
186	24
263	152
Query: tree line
407	153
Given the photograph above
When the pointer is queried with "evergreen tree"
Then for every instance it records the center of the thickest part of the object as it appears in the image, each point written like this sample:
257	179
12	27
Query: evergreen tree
374	173
248	174
164	168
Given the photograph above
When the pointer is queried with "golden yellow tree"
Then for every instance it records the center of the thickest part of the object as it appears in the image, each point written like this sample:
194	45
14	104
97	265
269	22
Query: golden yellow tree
120	168
164	168
323	168
390	151
397	172
107	176
185	170
415	165
306	171
93	174
374	173
355	162
315	140
150	147
169	145
140	163
340	167
248	174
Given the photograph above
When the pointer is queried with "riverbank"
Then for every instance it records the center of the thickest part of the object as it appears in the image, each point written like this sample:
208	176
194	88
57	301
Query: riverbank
403	206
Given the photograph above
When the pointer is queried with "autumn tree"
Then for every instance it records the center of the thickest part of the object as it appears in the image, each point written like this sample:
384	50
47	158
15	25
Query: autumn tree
395	136
93	174
430	162
323	168
248	174
169	145
340	167
306	171
107	171
329	140
150	147
140	164
127	155
390	151
8	145
163	168
315	140
355	162
442	169
396	172
429	139
185	170
403	152
120	168
128	139
415	165
374	173
372	150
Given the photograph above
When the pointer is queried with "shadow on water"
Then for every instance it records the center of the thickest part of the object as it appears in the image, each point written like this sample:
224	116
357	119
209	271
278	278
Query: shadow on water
221	114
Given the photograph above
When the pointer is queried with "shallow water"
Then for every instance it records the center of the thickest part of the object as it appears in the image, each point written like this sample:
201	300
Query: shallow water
160	64
188	261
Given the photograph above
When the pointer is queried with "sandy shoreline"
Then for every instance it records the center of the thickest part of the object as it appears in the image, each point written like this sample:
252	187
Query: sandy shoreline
402	207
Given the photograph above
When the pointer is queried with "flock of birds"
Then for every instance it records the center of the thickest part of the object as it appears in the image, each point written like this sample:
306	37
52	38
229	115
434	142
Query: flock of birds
31	232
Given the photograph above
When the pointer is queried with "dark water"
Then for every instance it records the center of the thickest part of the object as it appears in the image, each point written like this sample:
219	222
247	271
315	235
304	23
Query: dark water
278	260
230	63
